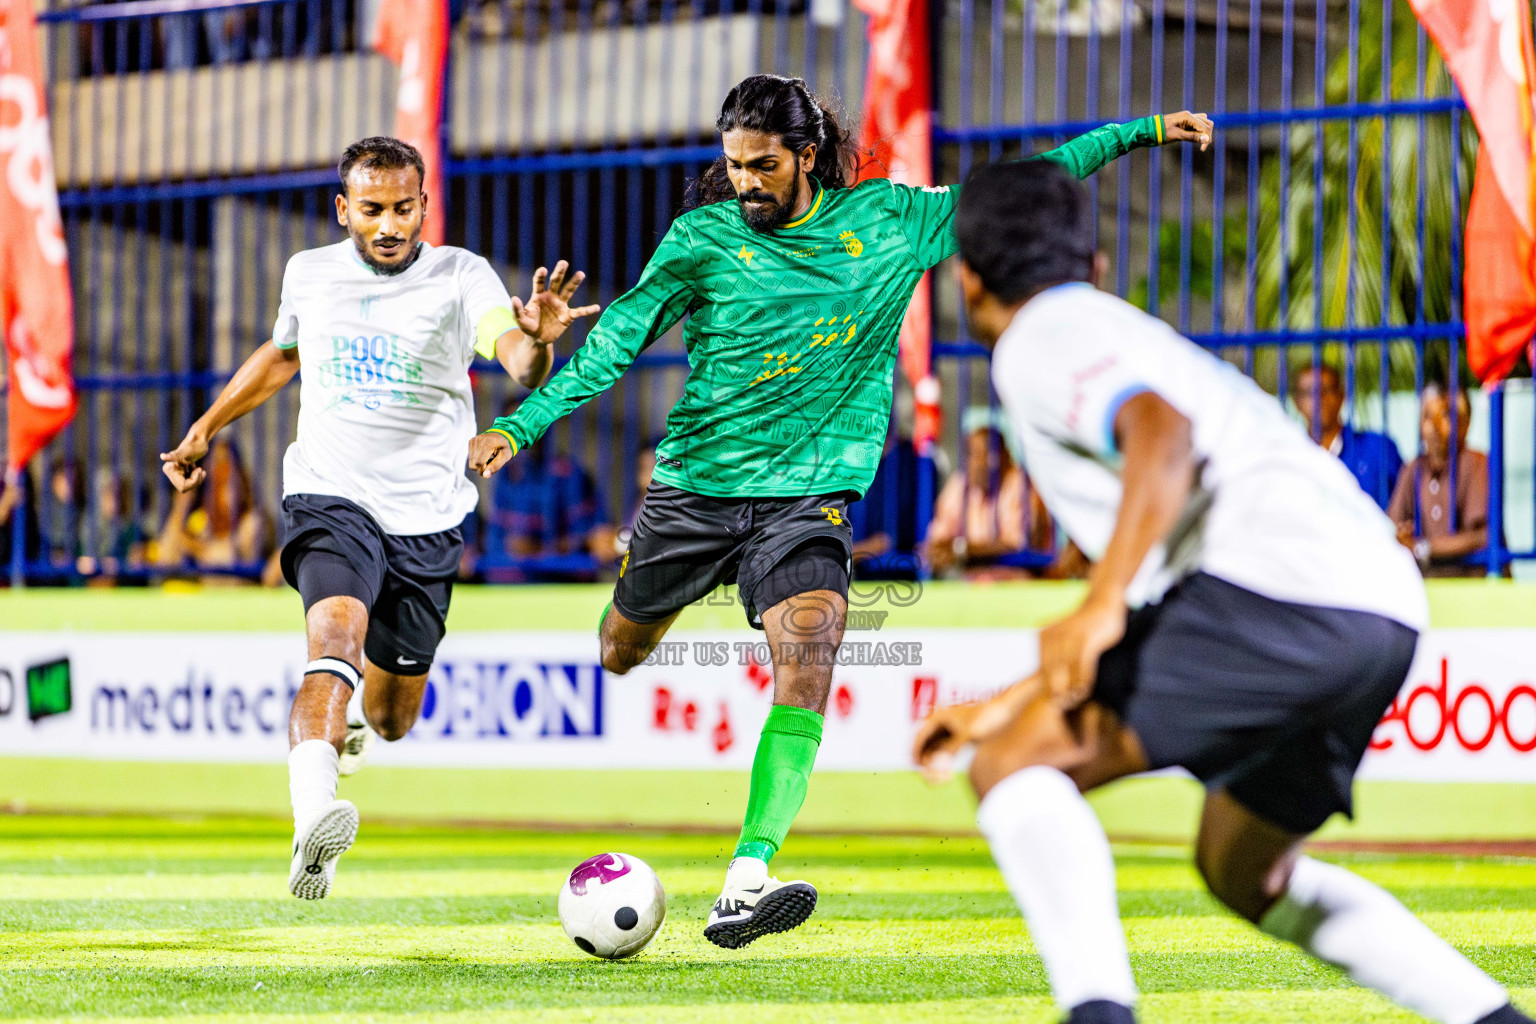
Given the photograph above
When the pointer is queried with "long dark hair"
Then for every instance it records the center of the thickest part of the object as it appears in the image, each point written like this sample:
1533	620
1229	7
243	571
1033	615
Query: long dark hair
785	107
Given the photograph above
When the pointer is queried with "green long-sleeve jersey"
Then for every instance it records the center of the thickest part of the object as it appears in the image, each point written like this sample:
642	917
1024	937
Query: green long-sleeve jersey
791	334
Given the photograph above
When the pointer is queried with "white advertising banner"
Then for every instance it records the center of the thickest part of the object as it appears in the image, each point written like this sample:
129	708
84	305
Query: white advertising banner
1467	712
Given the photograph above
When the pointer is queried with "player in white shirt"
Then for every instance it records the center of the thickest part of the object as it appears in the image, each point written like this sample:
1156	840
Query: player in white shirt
1249	618
374	488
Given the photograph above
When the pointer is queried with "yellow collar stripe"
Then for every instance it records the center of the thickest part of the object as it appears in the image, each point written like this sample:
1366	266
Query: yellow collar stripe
808	213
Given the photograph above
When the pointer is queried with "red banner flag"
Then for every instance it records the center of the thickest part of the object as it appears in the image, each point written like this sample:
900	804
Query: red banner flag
897	130
36	309
414	34
1487	46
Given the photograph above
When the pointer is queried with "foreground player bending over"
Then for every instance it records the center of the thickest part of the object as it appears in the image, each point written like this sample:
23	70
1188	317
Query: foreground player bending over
1249	618
373	487
796	285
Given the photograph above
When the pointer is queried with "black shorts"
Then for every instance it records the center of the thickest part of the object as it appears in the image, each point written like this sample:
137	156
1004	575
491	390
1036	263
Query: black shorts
685	545
1273	702
335	549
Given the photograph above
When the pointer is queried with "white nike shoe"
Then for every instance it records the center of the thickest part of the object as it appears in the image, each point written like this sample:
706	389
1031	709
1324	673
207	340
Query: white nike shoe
354	751
753	904
360	736
316	847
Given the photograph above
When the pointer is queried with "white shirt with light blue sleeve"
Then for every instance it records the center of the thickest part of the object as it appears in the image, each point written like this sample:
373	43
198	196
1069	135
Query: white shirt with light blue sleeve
1273	513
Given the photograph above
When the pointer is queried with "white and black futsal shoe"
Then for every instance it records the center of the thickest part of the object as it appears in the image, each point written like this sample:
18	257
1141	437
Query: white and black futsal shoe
360	735
316	846
753	905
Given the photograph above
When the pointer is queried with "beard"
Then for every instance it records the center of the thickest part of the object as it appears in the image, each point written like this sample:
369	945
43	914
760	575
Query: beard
378	267
776	215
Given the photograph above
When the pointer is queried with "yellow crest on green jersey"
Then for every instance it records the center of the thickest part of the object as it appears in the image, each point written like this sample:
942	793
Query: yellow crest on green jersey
853	245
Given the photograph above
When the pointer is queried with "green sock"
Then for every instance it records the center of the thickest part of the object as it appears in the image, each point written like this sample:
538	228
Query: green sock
781	771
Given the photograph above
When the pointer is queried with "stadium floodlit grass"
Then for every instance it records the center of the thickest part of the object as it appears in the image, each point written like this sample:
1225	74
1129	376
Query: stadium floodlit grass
153	919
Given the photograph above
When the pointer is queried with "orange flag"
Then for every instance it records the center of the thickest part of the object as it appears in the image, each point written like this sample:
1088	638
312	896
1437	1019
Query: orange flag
414	34
1487	46
897	130
35	305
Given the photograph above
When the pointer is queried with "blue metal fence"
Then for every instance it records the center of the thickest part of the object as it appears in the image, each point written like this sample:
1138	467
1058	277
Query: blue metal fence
194	142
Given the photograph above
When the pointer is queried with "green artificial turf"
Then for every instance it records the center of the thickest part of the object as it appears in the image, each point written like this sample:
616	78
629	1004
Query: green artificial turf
141	918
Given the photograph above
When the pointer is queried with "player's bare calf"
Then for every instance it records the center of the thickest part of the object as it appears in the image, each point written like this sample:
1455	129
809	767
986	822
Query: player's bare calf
625	644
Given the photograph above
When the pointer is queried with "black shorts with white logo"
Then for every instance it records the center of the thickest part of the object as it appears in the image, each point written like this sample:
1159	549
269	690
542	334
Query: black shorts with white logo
685	545
1272	701
335	549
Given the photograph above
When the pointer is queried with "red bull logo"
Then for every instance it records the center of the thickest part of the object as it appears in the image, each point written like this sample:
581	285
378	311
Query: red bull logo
602	869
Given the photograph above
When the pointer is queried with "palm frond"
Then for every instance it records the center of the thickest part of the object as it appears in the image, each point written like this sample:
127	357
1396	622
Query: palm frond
1370	273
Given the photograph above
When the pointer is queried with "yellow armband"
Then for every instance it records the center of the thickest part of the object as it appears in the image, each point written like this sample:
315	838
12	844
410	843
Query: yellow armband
493	325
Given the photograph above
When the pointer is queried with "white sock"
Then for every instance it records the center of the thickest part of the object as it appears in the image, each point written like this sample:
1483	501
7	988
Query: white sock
1055	858
313	767
1339	917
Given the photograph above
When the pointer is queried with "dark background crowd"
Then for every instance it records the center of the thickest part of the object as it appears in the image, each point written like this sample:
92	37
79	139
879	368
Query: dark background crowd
546	519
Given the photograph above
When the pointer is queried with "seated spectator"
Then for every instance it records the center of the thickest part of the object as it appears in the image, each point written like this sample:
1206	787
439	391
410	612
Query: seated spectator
645	466
545	507
889	505
63	513
983	510
469	558
112	543
1371	457
17	501
1421	504
272	572
221	526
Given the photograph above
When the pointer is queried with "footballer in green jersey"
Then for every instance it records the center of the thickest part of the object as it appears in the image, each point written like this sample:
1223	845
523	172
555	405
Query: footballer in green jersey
795	284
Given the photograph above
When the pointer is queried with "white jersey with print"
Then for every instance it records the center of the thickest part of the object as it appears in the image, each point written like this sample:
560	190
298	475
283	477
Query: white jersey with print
1273	512
385	409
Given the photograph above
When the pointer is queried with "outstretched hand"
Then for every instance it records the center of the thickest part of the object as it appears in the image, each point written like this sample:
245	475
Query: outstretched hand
488	452
548	314
1187	127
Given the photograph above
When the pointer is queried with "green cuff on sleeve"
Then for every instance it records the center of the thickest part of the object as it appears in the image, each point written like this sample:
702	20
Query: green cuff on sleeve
493	325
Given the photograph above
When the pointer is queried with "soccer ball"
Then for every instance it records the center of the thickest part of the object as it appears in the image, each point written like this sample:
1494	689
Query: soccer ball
612	905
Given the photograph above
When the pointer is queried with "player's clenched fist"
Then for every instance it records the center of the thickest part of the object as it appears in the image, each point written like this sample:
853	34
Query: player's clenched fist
943	734
1188	127
488	452
940	738
181	464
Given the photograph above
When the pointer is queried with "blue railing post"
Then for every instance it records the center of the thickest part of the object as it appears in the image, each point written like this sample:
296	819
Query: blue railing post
19	531
1498	554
